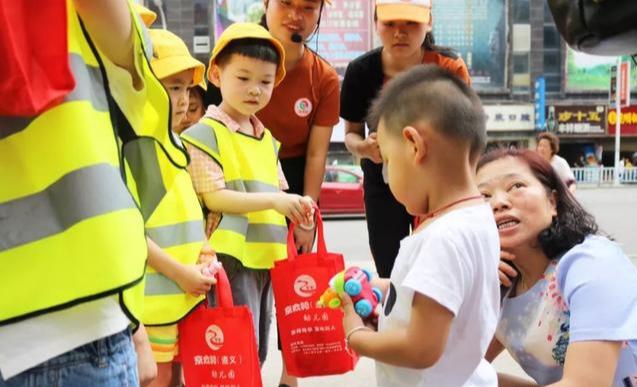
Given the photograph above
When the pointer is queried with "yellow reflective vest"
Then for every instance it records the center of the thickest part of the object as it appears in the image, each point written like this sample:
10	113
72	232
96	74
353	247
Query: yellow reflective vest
174	221
70	232
156	161
250	164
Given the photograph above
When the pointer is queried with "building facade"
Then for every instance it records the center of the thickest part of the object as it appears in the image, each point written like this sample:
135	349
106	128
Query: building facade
507	44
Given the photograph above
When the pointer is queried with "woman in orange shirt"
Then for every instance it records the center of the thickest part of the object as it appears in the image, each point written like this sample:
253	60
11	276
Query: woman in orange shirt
404	28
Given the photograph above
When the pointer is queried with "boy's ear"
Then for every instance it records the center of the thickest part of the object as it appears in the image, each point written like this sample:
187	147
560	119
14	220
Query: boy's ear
215	75
416	142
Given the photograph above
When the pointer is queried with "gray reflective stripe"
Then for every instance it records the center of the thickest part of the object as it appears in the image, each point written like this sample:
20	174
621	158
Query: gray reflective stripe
79	195
256	232
89	85
236	223
267	233
11	125
144	165
251	186
205	135
177	234
157	284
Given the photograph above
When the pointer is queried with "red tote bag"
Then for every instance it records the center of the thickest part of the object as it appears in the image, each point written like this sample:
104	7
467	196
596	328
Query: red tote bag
34	56
217	346
312	339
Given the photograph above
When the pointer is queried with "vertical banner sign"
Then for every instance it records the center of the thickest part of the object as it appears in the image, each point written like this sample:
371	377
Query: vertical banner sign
540	103
612	95
624	85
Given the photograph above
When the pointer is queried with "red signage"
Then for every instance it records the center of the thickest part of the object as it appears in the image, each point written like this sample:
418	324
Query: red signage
628	121
624	85
345	32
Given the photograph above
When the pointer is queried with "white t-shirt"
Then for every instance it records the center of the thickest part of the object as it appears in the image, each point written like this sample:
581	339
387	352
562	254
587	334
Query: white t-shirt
25	344
563	170
453	261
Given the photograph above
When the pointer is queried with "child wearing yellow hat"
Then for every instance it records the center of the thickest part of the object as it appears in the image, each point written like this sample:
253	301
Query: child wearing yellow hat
236	171
176	69
174	260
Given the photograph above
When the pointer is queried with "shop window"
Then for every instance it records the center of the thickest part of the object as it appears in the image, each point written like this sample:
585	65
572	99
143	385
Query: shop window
521	11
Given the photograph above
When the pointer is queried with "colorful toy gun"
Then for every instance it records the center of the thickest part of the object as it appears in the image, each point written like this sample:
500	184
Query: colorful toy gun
354	282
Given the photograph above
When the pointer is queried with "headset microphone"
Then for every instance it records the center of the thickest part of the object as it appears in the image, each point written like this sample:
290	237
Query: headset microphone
296	38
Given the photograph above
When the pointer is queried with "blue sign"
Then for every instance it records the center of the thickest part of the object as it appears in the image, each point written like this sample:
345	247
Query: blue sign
540	103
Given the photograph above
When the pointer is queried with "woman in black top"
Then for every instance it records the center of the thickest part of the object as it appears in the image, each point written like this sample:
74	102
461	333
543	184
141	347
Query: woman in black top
404	28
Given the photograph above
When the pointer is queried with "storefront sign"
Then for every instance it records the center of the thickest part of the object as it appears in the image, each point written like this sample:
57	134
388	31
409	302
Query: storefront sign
577	120
510	117
628	122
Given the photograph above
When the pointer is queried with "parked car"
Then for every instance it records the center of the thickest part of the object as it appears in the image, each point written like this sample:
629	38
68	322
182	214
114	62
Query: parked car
342	190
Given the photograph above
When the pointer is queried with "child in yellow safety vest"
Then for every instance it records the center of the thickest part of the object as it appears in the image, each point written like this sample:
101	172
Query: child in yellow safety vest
236	171
178	248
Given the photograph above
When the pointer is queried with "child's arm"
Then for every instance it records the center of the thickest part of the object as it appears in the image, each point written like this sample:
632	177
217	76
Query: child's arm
419	345
189	277
296	208
110	26
590	363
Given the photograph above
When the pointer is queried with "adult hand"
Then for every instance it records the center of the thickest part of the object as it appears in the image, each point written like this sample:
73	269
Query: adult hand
193	281
303	239
369	149
506	271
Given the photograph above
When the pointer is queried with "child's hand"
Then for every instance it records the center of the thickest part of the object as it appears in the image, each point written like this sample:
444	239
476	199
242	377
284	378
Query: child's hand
308	211
192	280
351	319
506	271
291	205
207	254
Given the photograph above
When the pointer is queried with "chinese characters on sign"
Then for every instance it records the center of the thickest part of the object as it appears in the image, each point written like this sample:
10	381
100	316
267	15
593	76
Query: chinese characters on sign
510	117
628	121
578	120
345	33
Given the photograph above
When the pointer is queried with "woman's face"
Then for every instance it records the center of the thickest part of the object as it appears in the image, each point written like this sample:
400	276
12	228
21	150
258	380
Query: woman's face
402	38
288	17
544	149
520	203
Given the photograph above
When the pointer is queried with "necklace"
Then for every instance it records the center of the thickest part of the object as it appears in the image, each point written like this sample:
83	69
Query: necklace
437	212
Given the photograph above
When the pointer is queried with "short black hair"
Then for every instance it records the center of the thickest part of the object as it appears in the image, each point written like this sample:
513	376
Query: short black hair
249	47
431	94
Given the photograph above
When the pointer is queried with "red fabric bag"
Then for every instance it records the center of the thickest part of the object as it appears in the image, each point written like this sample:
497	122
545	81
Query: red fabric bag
217	346
34	56
312	338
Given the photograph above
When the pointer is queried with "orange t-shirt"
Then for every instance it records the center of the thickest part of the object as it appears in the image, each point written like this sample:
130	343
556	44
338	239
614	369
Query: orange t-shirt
308	96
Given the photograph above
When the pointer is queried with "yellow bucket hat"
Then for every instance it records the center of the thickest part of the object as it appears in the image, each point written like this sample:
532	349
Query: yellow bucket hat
418	11
248	30
147	16
171	56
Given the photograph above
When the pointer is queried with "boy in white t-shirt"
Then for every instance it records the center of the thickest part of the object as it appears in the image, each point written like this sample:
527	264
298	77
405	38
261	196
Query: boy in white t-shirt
441	302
